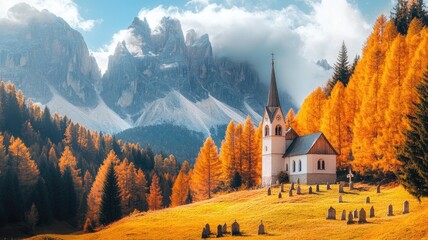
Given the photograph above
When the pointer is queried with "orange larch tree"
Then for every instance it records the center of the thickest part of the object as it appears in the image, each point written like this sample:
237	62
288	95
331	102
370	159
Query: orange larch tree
207	171
155	196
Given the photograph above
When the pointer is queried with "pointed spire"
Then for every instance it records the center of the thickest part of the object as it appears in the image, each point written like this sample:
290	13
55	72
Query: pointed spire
273	99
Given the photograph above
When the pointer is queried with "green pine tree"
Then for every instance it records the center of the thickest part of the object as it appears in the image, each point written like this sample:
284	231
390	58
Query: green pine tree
341	70
400	16
110	208
414	152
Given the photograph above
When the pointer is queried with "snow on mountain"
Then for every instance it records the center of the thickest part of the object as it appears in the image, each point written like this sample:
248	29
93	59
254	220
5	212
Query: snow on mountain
201	116
100	118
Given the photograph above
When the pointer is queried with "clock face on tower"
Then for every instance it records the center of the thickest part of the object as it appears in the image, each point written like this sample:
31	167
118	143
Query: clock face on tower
278	117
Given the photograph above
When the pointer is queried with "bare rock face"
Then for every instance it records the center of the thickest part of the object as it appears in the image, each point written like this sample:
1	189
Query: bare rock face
41	53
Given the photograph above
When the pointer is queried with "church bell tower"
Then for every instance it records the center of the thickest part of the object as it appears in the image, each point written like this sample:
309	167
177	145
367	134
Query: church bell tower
273	135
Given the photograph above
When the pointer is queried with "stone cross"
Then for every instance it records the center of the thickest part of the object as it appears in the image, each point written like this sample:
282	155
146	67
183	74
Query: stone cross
282	187
356	213
269	192
350	218
390	210
261	228
367	199
378	189
328	186
340	199
290	192
406	207
362	218
279	195
372	212
292	186
318	188
331	214
350	176
219	231
298	190
224	228
235	229
341	188
343	218
310	189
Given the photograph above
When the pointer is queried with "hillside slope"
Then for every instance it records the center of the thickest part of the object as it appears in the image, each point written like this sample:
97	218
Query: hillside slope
298	217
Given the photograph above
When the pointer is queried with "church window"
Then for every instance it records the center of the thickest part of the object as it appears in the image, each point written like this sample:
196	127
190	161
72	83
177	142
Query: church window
321	164
300	165
278	130
266	148
286	167
294	166
267	130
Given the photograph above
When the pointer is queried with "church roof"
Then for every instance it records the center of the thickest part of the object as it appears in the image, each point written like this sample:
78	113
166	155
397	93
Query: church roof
303	144
273	99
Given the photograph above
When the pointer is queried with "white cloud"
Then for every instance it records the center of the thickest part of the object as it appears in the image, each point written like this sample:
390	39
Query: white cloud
66	9
297	38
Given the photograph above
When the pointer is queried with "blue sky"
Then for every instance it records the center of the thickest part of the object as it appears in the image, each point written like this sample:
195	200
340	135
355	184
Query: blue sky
299	32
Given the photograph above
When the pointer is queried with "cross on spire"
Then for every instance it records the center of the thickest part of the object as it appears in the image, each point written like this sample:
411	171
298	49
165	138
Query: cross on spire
273	58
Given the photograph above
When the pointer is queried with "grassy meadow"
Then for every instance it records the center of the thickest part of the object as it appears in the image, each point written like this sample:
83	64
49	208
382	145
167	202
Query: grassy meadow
297	217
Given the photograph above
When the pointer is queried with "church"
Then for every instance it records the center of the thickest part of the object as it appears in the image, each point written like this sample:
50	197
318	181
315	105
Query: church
309	159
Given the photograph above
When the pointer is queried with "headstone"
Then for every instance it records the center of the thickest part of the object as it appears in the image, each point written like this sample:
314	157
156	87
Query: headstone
367	199
350	176
204	233
298	180
219	231
406	207
350	218
279	195
343	218
378	189
290	192
298	191
269	192
261	229
318	188
390	210
341	188
331	214
224	228
340	199
277	182
282	187
208	229
235	229
362	216
310	189
292	186
371	212
356	213
328	186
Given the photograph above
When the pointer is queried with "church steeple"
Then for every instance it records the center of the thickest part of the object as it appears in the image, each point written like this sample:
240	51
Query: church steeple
273	99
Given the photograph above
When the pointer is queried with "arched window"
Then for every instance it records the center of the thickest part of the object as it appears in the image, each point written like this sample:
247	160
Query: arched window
321	164
300	165
294	166
267	130
286	167
278	130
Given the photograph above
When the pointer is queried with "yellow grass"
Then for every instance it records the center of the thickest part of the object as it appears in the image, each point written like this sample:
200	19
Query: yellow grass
297	217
